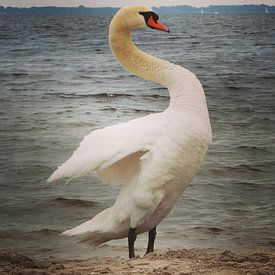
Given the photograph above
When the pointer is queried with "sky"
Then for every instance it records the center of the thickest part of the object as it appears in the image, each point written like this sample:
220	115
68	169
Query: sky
120	3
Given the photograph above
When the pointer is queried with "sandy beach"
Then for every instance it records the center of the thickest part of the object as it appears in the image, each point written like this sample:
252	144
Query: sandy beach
170	262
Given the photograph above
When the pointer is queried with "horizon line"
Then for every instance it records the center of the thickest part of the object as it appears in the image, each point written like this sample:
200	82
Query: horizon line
28	7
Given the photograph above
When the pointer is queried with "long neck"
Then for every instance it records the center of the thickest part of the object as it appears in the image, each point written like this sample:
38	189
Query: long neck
136	61
179	81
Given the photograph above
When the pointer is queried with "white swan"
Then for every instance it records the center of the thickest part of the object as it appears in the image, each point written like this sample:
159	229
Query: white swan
154	157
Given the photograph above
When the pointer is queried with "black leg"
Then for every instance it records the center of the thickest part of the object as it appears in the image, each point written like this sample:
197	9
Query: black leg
152	235
131	242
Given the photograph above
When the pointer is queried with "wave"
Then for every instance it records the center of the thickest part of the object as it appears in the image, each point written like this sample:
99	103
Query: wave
246	183
252	148
27	235
158	88
33	75
140	111
109	109
22	50
128	110
257	167
210	230
63	112
76	124
6	75
234	88
99	78
79	77
246	168
260	120
46	232
19	74
174	38
11	234
157	96
272	77
108	95
243	168
99	95
75	202
4	100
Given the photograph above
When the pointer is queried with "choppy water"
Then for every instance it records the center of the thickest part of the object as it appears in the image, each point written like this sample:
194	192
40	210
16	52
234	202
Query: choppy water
59	81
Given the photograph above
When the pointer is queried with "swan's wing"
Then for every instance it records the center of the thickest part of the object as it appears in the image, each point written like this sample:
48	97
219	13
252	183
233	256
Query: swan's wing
113	152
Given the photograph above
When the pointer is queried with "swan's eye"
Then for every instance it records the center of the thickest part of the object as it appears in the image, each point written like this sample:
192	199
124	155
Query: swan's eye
155	17
148	14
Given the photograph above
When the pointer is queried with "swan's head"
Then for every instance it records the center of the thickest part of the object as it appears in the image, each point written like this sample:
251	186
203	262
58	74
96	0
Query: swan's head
139	17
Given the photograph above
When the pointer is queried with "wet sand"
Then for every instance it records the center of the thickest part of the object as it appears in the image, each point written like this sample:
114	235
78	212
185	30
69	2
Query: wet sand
170	262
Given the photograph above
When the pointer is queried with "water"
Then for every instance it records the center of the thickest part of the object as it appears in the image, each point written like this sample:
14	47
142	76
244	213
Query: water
59	81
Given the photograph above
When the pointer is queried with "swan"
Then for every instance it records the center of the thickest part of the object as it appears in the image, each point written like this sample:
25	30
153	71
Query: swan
153	158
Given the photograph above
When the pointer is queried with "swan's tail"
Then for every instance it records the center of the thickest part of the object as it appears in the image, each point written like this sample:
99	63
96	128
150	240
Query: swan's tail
98	230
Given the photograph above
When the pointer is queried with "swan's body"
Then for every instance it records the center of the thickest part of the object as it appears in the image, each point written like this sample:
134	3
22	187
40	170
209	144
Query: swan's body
154	157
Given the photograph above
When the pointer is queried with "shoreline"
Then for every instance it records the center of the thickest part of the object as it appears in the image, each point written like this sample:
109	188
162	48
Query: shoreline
163	262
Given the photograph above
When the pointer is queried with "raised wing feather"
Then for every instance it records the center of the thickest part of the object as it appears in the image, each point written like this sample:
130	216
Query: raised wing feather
113	152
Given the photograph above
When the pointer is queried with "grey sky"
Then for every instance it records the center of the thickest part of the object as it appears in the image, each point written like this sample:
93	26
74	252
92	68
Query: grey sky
119	3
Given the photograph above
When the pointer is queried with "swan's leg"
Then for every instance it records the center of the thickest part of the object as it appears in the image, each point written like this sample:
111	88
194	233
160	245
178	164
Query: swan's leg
152	235
131	242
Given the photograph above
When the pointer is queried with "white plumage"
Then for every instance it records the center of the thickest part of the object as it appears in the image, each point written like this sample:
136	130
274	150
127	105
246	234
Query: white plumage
154	157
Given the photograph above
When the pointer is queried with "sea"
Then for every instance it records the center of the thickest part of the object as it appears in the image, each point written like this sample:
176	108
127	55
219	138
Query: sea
59	81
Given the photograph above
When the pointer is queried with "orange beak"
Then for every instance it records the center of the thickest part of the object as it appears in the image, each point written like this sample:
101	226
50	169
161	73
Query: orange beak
156	25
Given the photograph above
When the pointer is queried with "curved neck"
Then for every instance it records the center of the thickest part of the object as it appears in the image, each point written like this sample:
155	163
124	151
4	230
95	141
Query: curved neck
184	88
136	61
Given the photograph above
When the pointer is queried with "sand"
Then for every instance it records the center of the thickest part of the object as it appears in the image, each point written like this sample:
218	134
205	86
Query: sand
170	262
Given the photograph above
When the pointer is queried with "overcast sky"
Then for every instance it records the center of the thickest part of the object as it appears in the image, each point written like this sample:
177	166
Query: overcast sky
120	3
